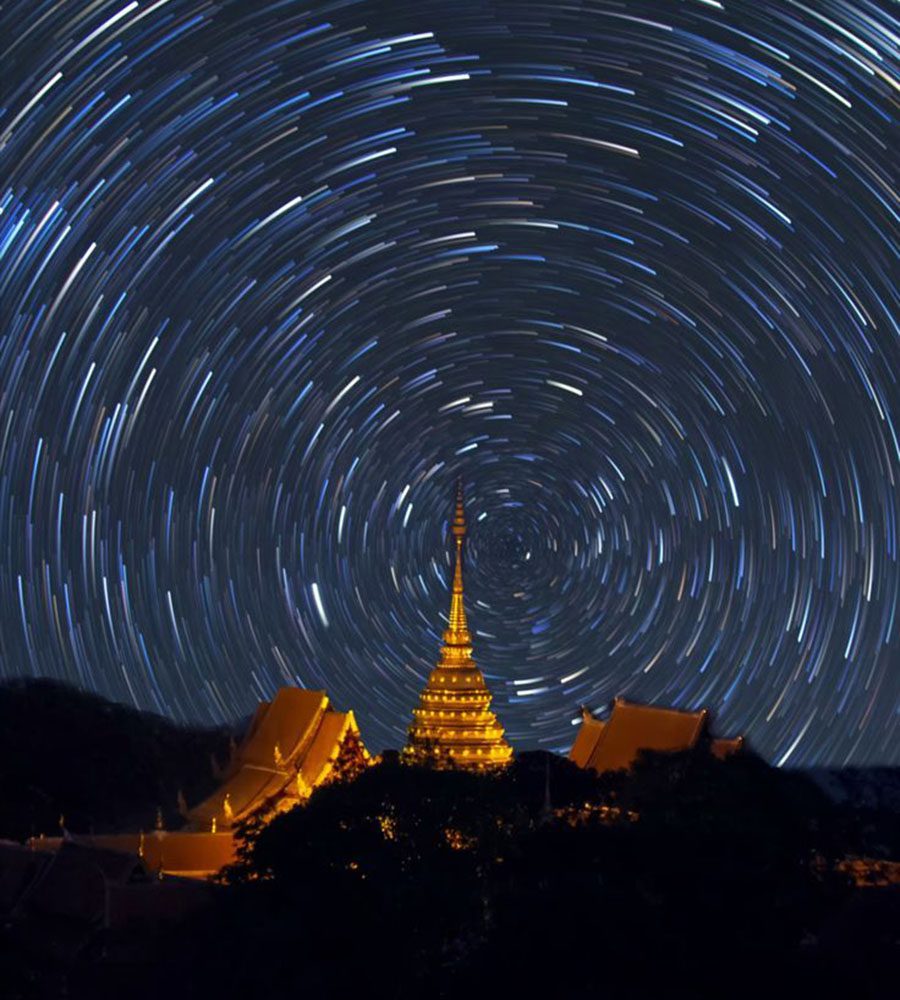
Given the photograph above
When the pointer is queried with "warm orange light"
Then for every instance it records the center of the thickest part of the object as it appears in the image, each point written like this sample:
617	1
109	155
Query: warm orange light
469	734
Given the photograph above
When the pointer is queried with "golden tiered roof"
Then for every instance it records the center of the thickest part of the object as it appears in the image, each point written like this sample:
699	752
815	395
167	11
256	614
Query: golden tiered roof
453	723
289	749
615	743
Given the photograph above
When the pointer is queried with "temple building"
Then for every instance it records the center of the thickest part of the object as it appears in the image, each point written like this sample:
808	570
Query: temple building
614	744
292	746
453	724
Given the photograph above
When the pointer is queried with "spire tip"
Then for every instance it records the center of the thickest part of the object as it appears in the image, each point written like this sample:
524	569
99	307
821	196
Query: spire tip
459	520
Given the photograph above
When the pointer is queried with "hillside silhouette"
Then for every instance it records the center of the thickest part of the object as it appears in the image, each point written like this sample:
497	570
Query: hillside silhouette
98	765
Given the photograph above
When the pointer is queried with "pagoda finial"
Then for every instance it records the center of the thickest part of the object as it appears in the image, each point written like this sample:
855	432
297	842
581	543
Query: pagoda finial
457	633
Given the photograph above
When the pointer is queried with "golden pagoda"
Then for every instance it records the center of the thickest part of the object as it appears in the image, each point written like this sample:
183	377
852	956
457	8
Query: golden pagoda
453	725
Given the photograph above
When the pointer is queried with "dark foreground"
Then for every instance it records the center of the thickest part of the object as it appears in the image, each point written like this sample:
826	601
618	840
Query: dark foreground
691	877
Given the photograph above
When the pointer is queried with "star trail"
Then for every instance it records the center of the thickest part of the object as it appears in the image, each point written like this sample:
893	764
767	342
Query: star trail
272	275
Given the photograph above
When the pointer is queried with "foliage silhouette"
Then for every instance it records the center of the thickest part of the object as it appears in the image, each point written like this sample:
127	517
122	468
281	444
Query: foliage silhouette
690	876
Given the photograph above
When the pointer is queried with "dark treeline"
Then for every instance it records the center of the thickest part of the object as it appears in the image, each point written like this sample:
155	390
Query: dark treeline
691	877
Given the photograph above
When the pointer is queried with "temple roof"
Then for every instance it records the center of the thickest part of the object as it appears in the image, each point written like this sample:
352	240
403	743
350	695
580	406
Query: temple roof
285	722
723	747
586	738
183	853
288	750
614	744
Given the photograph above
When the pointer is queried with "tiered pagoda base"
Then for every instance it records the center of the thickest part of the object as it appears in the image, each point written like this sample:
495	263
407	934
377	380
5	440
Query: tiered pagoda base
453	725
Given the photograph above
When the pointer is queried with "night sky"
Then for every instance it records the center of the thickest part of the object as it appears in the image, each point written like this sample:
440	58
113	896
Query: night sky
273	274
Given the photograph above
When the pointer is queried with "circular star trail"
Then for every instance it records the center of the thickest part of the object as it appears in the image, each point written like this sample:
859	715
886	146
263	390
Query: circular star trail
274	274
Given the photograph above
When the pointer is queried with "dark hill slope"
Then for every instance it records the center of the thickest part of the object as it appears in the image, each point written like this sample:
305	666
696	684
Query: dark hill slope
101	765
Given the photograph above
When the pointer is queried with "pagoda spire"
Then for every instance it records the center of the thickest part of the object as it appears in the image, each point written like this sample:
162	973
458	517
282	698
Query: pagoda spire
457	631
453	724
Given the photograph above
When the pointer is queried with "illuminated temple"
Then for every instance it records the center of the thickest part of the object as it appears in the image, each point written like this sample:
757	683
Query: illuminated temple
616	743
293	745
453	724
